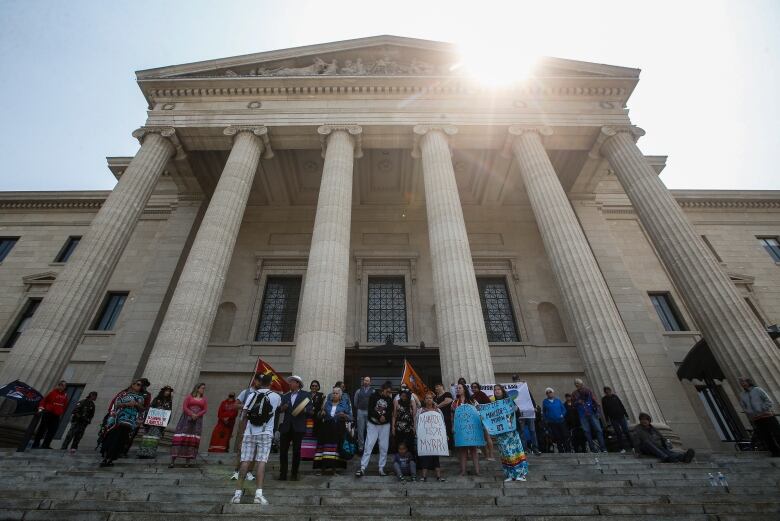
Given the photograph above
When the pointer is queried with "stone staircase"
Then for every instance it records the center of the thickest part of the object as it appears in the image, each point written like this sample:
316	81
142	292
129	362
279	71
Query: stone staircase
52	485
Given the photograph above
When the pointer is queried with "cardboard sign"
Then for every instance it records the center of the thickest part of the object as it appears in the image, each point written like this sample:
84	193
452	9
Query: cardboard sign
518	391
497	417
157	417
431	434
467	427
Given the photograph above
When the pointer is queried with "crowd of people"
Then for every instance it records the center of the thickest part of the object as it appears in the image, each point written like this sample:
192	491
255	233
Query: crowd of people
330	429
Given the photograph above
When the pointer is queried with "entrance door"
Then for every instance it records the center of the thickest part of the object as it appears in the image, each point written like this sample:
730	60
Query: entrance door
386	363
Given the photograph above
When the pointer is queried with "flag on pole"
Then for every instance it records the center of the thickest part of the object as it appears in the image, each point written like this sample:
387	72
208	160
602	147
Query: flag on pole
413	381
278	383
26	397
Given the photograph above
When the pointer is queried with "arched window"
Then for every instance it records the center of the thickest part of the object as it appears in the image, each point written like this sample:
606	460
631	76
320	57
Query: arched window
223	323
551	323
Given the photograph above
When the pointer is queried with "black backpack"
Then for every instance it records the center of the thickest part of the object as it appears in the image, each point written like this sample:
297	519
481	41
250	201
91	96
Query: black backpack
261	410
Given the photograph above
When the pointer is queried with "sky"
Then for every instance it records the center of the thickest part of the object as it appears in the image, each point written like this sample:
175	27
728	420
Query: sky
707	95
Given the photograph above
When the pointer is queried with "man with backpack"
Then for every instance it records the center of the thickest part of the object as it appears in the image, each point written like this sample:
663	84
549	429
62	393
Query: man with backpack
260	410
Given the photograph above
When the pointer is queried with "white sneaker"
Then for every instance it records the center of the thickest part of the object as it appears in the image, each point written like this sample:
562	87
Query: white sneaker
234	476
250	476
236	497
260	500
622	451
521	478
509	479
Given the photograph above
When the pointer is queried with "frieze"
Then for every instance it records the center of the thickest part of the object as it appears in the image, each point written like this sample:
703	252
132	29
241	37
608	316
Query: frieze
382	66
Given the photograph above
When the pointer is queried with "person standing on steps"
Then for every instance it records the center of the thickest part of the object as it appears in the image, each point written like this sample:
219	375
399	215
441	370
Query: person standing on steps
513	460
648	441
186	440
243	396
403	421
121	420
462	397
81	417
362	396
292	426
529	423
151	438
309	443
333	415
226	420
616	414
480	397
426	463
51	409
443	401
380	412
588	411
576	435
759	408
260	411
554	412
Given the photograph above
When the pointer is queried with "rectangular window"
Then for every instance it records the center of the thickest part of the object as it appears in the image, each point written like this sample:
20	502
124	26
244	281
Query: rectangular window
68	249
770	244
22	322
708	244
667	312
386	309
6	245
279	311
110	312
497	311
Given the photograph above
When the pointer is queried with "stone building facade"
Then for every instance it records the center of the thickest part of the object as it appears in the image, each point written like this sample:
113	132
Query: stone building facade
338	208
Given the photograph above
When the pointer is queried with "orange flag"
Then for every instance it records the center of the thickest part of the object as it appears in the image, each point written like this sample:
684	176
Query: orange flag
278	383
413	381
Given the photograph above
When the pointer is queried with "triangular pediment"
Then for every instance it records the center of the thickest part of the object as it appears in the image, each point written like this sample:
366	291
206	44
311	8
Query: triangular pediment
373	56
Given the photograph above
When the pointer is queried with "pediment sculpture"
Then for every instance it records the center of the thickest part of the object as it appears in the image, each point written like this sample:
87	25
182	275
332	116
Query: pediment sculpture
383	66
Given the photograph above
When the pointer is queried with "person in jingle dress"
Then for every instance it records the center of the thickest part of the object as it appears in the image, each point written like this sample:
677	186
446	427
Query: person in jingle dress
187	438
513	460
309	443
226	420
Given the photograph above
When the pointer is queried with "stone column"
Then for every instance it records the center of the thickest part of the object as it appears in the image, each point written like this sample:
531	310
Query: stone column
463	344
176	357
320	342
736	338
602	339
44	350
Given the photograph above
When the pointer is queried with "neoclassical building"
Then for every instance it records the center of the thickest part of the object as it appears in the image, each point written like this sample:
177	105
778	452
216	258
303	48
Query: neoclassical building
338	208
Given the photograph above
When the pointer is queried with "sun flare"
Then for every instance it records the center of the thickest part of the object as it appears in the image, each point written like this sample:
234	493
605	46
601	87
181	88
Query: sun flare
496	64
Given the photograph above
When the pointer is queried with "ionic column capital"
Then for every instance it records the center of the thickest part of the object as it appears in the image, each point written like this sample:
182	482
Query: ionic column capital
421	131
515	131
260	131
354	131
608	132
169	133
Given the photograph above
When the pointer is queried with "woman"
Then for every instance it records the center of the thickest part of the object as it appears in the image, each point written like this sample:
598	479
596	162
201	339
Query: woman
513	461
187	438
462	397
226	420
309	443
122	419
427	463
403	421
333	416
151	438
443	400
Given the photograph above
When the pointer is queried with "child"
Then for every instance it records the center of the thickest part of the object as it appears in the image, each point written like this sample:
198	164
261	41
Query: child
404	463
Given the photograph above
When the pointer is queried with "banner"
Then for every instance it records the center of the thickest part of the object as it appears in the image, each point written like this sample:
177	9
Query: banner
467	427
278	383
431	434
518	391
26	397
413	381
497	417
157	417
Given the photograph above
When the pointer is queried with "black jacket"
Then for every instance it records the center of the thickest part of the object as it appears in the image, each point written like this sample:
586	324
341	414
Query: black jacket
613	407
290	422
83	412
379	406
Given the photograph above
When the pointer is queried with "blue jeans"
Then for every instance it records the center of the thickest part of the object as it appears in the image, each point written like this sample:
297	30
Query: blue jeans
530	443
621	432
592	424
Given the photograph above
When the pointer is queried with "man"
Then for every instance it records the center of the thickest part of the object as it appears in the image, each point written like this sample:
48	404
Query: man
292	426
616	414
647	440
554	412
243	396
759	408
576	436
380	412
531	443
362	396
588	411
51	409
81	417
260	411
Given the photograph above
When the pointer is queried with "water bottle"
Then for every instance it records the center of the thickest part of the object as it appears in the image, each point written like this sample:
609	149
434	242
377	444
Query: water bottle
713	481
722	481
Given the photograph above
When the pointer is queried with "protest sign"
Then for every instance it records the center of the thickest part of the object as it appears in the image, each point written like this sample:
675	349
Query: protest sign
467	427
157	417
517	391
497	417
431	434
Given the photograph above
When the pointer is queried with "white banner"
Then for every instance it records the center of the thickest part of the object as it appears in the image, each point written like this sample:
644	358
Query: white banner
431	434
157	417
518	391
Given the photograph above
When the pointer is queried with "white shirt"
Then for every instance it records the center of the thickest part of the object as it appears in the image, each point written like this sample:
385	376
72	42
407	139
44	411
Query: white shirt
293	397
333	409
267	429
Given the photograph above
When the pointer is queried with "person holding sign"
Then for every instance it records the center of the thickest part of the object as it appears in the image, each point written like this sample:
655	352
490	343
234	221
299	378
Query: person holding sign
467	428
431	437
151	438
513	460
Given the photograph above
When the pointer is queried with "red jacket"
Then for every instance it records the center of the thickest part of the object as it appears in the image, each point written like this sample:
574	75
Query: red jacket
55	402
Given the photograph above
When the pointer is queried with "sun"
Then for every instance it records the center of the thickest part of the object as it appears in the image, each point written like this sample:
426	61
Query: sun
496	63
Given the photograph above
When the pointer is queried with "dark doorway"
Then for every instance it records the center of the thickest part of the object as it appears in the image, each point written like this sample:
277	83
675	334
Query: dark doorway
386	362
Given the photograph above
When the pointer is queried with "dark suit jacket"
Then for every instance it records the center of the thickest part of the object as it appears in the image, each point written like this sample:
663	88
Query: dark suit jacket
290	422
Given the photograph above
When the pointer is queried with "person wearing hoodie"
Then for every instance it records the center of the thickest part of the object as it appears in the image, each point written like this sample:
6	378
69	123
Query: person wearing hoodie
51	409
554	412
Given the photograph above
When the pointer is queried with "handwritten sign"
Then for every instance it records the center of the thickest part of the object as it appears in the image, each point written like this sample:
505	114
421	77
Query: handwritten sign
157	417
467	427
518	391
497	417
431	434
